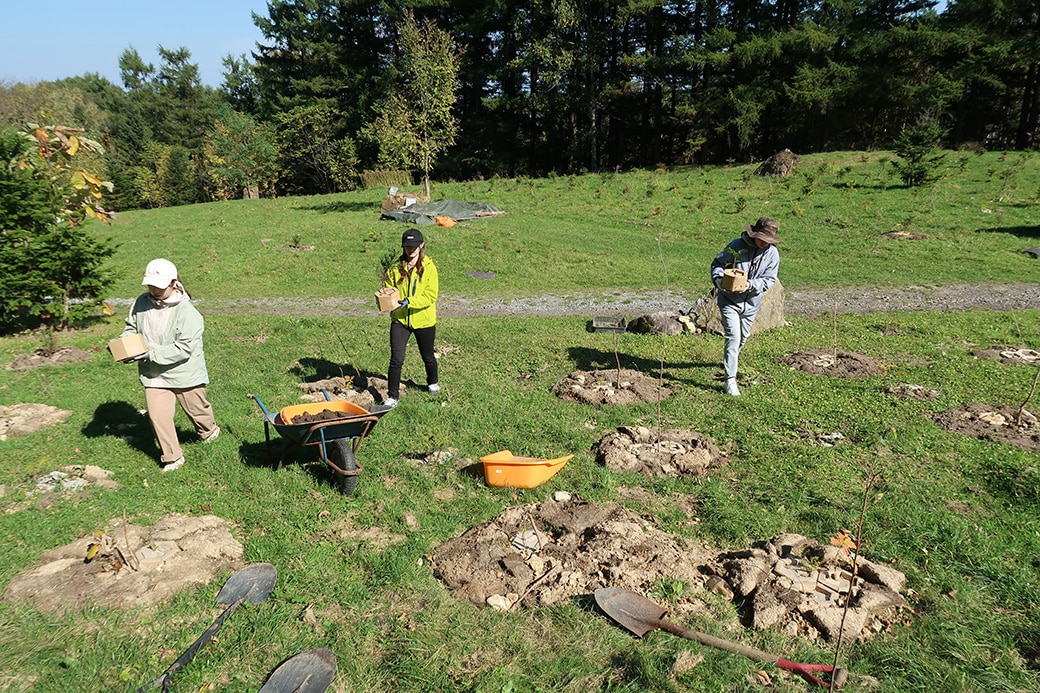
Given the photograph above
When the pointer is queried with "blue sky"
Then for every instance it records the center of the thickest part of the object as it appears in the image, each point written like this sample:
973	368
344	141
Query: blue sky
58	38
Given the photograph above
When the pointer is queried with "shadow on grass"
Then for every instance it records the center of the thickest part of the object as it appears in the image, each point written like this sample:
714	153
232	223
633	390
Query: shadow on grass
1031	232
122	420
587	359
338	207
282	450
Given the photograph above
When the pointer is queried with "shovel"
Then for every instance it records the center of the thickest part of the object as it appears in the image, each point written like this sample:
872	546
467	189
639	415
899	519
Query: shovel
307	672
640	615
252	584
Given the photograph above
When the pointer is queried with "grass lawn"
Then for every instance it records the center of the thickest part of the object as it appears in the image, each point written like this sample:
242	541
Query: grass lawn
957	515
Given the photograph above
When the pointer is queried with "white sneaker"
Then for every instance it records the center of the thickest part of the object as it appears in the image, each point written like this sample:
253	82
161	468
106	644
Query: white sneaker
176	464
212	436
389	402
434	387
731	387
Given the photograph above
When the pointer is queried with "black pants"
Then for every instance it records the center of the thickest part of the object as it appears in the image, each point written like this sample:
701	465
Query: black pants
398	345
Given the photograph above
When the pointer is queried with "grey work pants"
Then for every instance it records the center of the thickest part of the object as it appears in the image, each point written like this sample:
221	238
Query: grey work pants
737	319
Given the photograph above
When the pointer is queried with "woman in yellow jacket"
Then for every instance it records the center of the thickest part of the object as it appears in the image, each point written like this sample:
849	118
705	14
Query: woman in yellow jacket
415	277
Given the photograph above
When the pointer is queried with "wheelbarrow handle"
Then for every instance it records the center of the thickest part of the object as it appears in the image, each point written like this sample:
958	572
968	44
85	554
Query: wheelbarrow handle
262	407
838	675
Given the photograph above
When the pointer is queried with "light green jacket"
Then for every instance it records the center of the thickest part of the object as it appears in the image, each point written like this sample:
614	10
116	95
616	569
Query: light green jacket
173	333
421	310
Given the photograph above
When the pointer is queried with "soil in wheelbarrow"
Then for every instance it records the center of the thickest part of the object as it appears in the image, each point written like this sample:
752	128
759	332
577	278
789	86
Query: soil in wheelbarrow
323	415
540	554
611	387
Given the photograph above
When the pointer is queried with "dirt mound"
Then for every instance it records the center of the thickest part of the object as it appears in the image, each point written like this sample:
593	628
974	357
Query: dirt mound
540	554
1009	354
131	567
655	453
610	387
22	419
999	424
49	357
364	391
840	364
794	584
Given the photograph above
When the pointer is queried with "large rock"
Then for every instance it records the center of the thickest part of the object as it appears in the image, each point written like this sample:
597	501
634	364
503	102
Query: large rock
706	316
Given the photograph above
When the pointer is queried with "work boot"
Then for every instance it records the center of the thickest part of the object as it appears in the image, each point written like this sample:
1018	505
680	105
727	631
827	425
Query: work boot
731	387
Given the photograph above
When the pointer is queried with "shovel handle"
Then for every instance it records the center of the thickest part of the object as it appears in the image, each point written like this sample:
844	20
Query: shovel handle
717	643
838	675
189	654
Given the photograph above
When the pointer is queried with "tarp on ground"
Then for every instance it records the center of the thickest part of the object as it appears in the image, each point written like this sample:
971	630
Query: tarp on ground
424	214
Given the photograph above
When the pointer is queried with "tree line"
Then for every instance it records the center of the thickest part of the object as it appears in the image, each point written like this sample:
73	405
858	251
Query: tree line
479	88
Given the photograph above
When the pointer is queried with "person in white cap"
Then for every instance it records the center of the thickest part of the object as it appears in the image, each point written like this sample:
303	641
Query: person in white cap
174	369
755	253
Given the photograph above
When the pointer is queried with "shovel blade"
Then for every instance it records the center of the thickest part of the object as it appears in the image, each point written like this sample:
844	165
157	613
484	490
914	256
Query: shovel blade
307	672
633	611
252	584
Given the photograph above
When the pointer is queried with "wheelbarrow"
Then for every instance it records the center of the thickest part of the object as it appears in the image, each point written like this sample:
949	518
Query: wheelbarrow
337	439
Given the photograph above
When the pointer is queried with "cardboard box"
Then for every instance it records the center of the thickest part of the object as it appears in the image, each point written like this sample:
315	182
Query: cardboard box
387	298
734	280
126	348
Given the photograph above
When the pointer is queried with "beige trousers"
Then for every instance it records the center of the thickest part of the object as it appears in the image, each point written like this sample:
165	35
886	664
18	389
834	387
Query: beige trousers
162	405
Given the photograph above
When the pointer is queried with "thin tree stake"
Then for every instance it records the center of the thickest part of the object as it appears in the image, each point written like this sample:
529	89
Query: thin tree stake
1018	417
855	559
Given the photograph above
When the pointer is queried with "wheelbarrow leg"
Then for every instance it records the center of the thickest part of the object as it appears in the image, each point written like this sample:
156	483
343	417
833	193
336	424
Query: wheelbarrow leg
267	441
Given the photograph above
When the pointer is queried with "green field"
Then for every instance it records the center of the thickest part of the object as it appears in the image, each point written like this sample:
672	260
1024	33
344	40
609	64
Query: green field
957	515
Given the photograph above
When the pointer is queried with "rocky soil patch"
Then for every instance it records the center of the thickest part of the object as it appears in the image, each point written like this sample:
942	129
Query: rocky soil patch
611	387
23	419
657	453
911	391
1004	424
836	363
544	553
132	566
49	357
1009	354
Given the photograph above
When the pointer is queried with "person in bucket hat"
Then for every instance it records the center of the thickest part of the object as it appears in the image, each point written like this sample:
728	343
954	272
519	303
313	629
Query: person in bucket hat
756	254
173	371
415	277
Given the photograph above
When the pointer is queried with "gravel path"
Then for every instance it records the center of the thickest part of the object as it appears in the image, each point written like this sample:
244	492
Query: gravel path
955	297
815	302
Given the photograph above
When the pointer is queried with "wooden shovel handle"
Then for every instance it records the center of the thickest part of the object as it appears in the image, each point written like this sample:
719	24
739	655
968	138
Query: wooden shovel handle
717	643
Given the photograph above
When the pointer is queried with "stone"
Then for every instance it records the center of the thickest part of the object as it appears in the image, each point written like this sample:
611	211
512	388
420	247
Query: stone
705	312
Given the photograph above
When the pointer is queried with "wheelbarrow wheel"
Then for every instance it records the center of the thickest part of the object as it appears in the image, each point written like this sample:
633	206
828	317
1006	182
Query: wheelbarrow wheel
341	454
